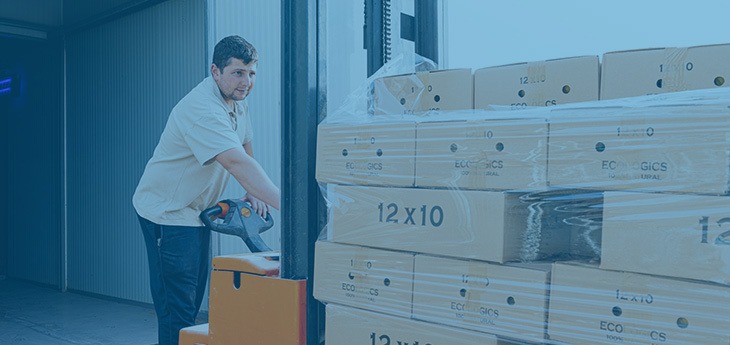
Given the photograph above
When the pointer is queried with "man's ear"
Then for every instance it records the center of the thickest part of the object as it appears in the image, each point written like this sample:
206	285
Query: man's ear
215	71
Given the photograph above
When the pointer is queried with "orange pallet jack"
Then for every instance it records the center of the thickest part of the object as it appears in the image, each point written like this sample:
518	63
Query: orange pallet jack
194	335
249	302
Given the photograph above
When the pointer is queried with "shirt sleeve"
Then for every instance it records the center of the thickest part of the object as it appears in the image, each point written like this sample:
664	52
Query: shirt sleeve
210	136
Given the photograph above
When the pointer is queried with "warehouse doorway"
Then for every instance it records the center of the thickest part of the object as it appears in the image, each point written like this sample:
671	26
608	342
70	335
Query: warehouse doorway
32	150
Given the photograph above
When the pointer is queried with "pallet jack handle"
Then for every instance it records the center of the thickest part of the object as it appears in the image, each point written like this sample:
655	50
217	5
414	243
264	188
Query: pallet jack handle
237	217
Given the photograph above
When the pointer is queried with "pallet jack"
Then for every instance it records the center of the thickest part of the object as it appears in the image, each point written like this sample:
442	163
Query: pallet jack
249	303
238	219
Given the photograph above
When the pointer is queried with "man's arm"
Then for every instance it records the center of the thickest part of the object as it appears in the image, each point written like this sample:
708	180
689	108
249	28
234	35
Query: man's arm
259	206
248	172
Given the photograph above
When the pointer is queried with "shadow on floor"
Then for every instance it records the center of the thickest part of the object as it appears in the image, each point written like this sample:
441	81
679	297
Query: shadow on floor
35	315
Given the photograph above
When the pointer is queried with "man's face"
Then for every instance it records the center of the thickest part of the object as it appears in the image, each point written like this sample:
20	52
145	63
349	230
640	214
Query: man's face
235	80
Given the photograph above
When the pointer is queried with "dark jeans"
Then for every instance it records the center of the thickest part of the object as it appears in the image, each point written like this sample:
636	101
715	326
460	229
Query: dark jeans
179	262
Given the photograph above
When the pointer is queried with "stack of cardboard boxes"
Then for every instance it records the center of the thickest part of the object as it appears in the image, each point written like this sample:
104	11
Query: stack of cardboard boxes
460	226
378	253
663	164
663	215
428	215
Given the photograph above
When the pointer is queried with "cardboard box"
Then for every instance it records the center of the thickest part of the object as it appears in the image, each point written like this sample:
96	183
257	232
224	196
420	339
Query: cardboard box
364	277
261	309
659	70
497	154
358	327
375	153
540	83
423	91
504	300
484	225
672	148
592	306
685	236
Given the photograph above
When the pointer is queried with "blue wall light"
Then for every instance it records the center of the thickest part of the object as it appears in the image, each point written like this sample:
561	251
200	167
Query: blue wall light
6	85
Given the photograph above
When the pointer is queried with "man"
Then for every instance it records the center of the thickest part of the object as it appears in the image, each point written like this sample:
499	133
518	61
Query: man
206	140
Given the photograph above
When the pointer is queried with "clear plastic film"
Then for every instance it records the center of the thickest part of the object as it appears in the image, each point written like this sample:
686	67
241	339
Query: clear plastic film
597	222
361	103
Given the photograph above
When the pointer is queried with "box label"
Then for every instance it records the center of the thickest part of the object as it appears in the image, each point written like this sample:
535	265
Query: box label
362	277
487	155
367	154
499	299
657	149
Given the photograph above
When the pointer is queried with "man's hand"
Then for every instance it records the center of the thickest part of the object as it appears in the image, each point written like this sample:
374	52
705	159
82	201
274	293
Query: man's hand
258	206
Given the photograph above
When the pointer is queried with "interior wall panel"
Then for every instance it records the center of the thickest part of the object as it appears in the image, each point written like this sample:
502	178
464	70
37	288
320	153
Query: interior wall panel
262	28
123	78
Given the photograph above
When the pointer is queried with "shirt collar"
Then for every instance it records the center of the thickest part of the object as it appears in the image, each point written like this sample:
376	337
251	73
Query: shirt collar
217	93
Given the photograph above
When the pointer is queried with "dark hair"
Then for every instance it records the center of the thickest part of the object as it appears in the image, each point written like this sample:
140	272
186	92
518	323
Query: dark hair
233	47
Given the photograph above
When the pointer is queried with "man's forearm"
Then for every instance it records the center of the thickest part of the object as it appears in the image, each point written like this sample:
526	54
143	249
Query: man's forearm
249	173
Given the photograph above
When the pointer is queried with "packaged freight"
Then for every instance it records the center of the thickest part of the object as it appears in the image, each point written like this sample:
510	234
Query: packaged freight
593	306
539	83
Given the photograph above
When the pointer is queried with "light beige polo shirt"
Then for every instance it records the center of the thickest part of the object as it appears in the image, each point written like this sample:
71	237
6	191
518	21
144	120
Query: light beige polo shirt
182	178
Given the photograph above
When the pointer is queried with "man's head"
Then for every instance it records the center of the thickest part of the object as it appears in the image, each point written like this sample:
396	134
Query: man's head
234	67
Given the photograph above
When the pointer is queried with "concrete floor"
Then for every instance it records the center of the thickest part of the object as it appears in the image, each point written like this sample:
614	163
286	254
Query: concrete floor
35	315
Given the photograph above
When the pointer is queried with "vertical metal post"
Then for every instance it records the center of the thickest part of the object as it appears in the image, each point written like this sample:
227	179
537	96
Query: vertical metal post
300	216
422	29
426	15
374	34
64	180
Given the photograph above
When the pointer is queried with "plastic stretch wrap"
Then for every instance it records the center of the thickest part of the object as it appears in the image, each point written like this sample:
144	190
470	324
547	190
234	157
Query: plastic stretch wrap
589	223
